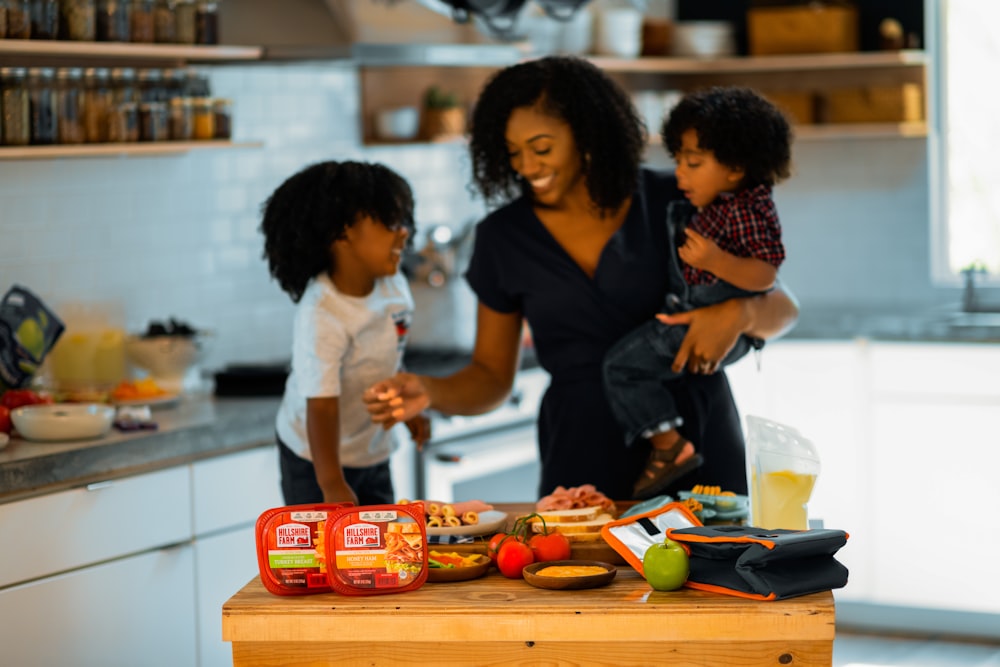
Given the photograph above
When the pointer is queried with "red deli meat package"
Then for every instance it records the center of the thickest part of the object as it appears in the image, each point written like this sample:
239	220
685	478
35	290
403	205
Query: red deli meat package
368	550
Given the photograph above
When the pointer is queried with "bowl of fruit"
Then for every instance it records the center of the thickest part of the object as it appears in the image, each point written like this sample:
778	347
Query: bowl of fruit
167	352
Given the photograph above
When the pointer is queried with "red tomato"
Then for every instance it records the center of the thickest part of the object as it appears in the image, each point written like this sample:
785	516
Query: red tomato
553	546
513	557
15	398
494	545
5	424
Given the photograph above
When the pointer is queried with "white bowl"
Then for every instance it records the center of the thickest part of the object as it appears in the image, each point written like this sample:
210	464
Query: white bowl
165	357
62	421
703	39
399	124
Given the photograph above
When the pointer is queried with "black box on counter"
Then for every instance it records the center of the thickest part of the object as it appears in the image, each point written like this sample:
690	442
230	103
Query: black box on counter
252	380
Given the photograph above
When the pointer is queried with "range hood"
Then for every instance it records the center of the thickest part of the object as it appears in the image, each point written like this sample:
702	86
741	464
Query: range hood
441	32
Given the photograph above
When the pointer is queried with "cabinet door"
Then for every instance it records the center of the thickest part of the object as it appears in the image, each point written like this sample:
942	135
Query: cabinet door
233	490
936	450
129	612
224	563
70	529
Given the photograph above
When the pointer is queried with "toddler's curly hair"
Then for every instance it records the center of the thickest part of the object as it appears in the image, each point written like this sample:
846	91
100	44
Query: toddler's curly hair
741	128
606	127
314	207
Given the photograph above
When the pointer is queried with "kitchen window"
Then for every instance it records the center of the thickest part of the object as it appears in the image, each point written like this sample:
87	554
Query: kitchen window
968	229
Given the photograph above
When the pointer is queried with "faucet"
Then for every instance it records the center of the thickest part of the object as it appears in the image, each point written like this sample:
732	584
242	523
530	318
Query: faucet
970	300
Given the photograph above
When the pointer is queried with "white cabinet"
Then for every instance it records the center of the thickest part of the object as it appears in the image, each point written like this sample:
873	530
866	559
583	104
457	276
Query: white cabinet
127	612
230	492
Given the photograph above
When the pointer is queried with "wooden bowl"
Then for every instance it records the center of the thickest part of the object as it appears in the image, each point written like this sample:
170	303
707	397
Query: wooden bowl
573	582
445	574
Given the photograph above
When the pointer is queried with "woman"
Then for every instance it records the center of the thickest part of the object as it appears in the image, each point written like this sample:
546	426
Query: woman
579	250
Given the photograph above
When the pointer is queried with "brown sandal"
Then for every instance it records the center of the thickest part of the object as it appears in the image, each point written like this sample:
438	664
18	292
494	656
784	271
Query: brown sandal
662	469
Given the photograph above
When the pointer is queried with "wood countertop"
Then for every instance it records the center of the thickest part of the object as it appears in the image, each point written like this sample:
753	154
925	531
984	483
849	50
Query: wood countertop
499	621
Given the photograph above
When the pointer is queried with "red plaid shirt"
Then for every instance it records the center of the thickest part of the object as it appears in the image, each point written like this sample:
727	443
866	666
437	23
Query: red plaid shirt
744	224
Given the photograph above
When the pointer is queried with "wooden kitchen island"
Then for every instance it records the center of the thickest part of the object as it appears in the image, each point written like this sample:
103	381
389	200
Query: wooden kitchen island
498	621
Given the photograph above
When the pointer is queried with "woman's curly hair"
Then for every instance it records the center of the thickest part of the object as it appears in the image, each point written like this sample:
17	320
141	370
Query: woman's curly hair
606	127
742	129
314	207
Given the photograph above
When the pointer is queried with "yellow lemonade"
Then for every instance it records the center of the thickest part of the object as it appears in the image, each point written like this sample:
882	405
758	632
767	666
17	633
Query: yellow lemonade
778	499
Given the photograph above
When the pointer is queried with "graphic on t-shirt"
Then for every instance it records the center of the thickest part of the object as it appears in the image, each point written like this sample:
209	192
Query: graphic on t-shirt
402	320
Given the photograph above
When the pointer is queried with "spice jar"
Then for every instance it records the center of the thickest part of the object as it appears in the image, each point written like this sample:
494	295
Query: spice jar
141	22
3	18
79	19
123	122
42	102
18	19
150	86
204	118
69	87
44	19
184	11
181	119
222	109
113	24
206	22
96	104
153	121
164	22
15	106
123	87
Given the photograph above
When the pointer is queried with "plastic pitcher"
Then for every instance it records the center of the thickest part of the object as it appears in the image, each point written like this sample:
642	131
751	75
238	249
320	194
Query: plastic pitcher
783	469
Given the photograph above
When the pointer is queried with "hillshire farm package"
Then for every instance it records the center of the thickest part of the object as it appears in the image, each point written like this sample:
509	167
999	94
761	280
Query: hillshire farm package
367	550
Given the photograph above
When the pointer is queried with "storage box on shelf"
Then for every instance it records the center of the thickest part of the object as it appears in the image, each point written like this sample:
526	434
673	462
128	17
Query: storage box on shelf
813	28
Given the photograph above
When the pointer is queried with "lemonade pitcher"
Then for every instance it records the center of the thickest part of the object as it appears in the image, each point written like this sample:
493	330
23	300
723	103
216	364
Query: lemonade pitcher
783	466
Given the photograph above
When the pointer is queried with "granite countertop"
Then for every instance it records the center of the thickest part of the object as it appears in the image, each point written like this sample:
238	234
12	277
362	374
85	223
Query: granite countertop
199	426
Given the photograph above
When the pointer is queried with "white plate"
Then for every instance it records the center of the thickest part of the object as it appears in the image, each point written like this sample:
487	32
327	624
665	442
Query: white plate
490	521
153	401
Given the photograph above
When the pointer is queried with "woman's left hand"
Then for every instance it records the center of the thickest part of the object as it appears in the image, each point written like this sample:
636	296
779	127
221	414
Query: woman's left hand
420	430
712	333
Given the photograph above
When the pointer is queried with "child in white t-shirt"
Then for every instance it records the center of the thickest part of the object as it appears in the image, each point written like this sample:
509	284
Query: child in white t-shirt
333	237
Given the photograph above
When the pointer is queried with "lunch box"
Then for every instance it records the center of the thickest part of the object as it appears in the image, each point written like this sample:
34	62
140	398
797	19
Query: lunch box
364	550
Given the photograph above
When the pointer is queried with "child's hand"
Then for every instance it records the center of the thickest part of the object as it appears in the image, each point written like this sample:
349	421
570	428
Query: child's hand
699	251
398	399
420	430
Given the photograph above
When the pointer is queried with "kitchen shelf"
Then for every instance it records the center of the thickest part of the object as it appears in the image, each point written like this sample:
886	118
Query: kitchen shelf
139	149
764	64
55	52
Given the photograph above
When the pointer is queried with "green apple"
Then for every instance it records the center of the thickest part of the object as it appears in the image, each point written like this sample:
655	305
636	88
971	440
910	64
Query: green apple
665	565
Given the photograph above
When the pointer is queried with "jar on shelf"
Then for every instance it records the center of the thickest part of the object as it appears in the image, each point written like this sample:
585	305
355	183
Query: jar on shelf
123	123
206	22
44	19
113	22
150	85
3	19
164	22
18	19
79	19
42	98
141	22
172	81
123	86
15	106
69	89
181	119
154	123
196	84
222	109
96	104
203	114
184	11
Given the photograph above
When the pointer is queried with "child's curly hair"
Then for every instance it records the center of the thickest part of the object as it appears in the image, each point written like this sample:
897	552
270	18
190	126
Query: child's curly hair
608	131
313	208
742	129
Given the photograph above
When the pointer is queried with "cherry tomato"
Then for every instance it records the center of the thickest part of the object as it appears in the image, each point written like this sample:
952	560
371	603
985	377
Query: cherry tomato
5	423
494	545
554	546
513	557
15	398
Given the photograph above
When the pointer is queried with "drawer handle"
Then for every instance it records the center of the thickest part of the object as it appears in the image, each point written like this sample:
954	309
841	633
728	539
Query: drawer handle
97	486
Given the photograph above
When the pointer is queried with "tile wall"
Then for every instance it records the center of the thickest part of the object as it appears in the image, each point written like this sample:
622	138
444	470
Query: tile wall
177	236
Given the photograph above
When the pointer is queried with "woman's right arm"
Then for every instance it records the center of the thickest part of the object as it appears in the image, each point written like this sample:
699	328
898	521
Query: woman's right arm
479	387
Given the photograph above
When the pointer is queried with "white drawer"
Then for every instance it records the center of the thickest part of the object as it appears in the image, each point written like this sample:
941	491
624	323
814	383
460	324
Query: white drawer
69	529
233	490
939	370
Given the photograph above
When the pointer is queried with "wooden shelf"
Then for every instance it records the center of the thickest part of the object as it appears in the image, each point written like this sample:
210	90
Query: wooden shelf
53	52
840	131
140	149
764	64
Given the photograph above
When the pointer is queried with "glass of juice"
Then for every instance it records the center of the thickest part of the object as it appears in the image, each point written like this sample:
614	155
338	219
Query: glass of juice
783	469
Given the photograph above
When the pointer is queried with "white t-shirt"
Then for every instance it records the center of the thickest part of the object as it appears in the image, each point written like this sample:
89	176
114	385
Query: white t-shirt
341	345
